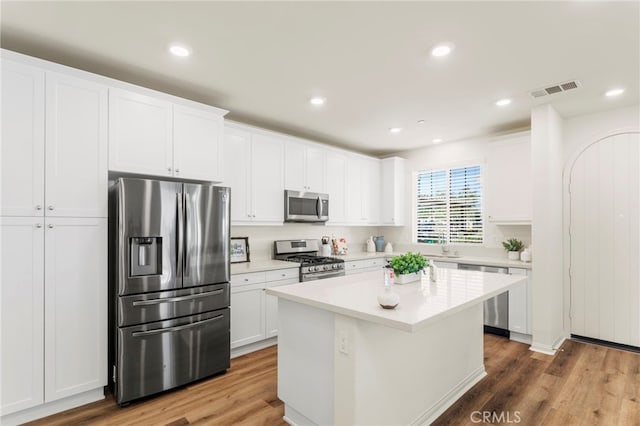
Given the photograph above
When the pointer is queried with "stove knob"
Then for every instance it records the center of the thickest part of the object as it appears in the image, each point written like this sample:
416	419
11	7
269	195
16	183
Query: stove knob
334	266
327	267
312	268
340	265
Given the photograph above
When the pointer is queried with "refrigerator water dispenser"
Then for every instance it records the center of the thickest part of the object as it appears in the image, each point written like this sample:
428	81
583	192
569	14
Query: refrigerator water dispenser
145	256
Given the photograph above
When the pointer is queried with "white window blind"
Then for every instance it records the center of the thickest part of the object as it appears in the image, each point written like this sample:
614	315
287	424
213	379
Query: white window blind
449	206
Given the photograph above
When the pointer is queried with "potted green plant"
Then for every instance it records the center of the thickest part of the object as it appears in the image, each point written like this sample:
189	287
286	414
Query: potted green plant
513	246
408	267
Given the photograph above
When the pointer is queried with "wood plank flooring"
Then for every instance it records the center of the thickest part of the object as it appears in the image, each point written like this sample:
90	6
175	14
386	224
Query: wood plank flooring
583	384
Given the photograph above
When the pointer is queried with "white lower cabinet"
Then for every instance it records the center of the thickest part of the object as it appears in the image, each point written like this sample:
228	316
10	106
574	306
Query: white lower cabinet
54	309
520	304
364	265
254	315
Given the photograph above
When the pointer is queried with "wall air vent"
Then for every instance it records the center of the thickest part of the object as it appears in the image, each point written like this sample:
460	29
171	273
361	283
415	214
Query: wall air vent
556	88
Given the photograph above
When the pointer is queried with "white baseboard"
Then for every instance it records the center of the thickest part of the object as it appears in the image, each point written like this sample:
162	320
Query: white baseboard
548	349
54	407
252	347
520	337
450	397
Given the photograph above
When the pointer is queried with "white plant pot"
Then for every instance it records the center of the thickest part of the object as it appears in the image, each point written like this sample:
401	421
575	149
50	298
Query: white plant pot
408	278
514	255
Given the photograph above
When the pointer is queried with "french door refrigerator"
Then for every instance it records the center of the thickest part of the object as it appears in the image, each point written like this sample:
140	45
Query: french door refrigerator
169	284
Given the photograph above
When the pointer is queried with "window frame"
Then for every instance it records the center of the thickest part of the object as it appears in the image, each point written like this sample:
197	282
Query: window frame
447	168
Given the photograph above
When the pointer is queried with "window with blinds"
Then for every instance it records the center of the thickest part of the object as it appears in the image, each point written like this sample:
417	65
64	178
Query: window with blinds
449	206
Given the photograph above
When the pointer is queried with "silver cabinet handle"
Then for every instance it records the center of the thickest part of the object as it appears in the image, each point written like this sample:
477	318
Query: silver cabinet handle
168	169
246	279
38	225
50	226
50	207
178	328
177	170
176	299
38	207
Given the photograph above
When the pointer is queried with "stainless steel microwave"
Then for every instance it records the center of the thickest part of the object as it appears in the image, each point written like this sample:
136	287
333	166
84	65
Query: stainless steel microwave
305	206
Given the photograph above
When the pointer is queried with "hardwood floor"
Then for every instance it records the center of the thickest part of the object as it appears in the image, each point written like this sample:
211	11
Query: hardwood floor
583	384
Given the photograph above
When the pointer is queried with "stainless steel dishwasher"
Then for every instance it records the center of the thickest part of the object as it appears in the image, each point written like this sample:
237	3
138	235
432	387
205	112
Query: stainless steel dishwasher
496	309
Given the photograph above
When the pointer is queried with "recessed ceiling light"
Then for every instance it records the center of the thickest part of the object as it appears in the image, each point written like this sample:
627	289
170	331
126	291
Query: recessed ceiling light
503	102
442	50
436	140
395	130
317	100
420	121
614	92
179	50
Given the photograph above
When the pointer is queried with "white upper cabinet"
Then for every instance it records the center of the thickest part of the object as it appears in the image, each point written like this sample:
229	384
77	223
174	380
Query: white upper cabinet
393	191
336	180
140	134
253	168
152	136
22	140
76	147
363	190
509	181
354	190
304	167
71	148
197	144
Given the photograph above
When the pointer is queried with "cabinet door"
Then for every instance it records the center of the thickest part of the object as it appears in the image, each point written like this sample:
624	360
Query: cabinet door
76	148
371	191
247	314
354	190
271	308
237	154
140	134
509	181
294	162
75	306
21	313
393	195
197	136
518	305
336	164
267	179
315	169
22	171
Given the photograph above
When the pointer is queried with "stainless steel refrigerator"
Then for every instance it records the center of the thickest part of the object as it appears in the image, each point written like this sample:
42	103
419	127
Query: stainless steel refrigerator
169	284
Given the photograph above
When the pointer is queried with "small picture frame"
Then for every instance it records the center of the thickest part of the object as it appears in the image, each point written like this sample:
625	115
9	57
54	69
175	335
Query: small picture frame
239	249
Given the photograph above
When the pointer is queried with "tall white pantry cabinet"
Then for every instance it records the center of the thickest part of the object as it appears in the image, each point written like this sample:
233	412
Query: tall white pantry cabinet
53	229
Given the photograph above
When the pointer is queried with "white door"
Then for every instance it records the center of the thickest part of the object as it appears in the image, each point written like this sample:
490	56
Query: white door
294	162
605	239
315	169
140	134
21	316
197	136
22	170
247	314
75	306
236	172
76	147
267	179
336	164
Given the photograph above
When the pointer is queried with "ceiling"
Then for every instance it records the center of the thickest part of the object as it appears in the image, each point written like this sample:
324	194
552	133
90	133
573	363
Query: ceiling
263	61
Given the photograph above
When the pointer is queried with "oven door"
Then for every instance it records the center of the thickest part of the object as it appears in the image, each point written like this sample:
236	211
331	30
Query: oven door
305	206
162	355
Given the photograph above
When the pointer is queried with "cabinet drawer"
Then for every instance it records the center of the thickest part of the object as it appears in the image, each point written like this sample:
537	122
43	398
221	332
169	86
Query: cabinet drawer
246	279
283	274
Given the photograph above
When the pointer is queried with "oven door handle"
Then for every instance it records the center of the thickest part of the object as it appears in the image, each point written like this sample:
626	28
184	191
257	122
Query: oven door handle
176	299
177	328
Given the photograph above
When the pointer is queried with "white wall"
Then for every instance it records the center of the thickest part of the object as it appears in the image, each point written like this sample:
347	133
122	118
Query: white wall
467	152
546	155
261	238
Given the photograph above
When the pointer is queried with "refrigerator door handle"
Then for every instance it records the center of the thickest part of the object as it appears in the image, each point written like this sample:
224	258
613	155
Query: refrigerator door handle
178	328
186	230
176	299
179	236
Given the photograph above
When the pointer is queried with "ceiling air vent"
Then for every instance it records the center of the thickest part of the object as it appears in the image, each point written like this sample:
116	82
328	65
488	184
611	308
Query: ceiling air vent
556	88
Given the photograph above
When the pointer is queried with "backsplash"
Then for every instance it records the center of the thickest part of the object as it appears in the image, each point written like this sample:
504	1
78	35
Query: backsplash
261	238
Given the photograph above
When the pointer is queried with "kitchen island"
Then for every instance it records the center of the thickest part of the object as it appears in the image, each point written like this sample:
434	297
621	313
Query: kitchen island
344	360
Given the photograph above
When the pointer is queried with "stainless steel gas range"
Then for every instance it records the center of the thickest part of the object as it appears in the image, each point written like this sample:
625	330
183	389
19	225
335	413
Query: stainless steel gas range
305	253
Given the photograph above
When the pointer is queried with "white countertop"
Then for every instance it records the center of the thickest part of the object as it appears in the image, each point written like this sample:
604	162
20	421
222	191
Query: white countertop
421	302
261	266
473	260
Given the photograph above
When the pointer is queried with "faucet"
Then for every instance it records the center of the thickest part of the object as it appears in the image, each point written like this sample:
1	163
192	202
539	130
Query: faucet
443	244
433	271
